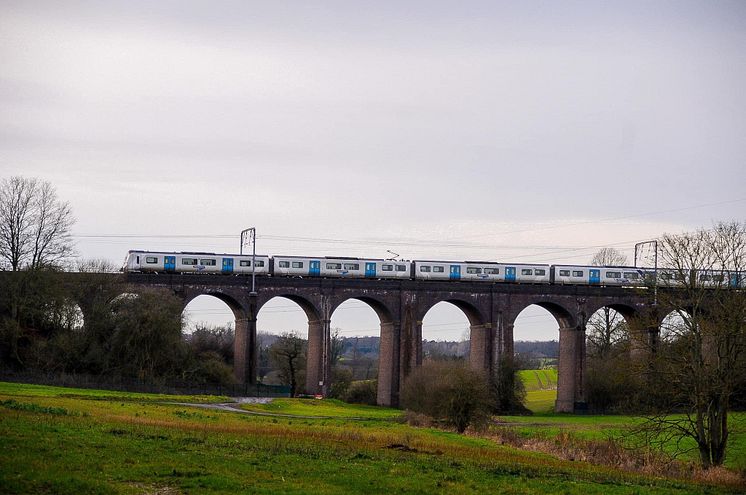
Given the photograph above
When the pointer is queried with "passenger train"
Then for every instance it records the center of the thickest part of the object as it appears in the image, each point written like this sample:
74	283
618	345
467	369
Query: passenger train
338	267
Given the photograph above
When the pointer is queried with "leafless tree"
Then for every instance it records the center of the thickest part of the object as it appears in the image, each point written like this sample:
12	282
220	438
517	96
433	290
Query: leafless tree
609	257
289	355
34	224
606	327
702	363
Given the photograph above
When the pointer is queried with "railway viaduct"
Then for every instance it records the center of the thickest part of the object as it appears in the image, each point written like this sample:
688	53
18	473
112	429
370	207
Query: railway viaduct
401	306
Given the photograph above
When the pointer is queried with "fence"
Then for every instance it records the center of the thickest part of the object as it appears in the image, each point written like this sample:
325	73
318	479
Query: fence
123	384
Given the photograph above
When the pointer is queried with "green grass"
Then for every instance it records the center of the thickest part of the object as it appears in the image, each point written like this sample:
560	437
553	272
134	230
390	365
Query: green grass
545	379
324	408
107	442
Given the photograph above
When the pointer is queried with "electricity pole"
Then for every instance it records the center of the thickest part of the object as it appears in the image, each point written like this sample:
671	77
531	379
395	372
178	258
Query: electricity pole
250	235
655	267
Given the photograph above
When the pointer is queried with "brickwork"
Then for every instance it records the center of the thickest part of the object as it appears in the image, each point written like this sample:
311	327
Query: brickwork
401	306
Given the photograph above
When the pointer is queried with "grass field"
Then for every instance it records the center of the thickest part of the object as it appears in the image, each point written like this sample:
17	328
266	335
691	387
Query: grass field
57	440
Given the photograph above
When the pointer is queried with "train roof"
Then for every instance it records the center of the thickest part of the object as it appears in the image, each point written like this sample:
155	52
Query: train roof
194	253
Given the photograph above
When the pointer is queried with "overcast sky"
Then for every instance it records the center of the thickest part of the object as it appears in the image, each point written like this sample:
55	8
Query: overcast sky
511	131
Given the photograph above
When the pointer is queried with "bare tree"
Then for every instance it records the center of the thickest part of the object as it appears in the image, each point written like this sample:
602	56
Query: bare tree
34	224
606	327
702	363
289	355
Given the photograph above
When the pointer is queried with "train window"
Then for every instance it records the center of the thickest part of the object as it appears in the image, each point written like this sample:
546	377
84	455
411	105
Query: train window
151	259
540	271
352	266
207	262
577	273
705	278
666	276
283	264
564	273
424	268
527	271
492	271
401	268
387	268
473	269
297	264
189	261
334	266
245	263
613	274
259	263
631	275
439	269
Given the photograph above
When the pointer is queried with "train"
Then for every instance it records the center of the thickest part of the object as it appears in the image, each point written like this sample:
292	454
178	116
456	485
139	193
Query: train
138	261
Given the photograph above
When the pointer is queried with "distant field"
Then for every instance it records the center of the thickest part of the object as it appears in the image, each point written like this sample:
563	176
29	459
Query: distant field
541	389
65	441
544	379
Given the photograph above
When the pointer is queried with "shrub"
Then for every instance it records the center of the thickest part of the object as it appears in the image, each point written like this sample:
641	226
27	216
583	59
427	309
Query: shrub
362	392
341	381
449	391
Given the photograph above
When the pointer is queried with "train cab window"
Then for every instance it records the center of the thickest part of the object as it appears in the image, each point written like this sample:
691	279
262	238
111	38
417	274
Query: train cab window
245	263
297	264
631	275
439	269
564	273
352	266
207	262
283	264
577	273
401	268
334	266
424	268
527	271
387	268
473	270
613	274
190	261
151	260
540	272
492	271
259	263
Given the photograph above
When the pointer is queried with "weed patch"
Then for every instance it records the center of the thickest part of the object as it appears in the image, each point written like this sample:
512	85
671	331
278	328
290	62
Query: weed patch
35	408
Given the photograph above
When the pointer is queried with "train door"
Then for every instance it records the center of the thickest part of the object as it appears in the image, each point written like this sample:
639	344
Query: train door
370	270
594	276
169	263
735	280
314	268
227	265
510	274
455	272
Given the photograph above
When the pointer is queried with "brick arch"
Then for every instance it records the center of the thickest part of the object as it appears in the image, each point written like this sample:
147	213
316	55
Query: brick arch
238	310
470	310
384	313
565	318
627	311
311	310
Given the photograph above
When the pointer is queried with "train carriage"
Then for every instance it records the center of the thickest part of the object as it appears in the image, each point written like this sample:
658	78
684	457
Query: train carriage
171	262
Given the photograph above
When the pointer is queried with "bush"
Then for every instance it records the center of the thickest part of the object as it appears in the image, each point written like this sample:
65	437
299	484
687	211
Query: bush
362	392
449	391
341	381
